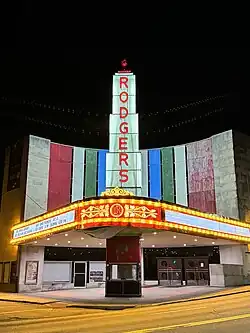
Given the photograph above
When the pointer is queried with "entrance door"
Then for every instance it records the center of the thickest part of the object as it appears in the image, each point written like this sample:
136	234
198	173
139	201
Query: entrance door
196	271
80	274
170	271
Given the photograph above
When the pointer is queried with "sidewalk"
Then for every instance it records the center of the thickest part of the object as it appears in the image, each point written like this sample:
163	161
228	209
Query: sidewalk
224	292
94	298
21	298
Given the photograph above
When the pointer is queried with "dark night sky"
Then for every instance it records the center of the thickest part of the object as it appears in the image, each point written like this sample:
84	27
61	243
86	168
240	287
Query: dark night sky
80	79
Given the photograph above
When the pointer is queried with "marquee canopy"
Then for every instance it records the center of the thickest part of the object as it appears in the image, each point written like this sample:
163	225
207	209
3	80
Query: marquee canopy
117	209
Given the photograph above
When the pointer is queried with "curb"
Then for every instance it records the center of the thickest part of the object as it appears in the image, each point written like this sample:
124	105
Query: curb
133	306
28	302
114	307
195	299
102	307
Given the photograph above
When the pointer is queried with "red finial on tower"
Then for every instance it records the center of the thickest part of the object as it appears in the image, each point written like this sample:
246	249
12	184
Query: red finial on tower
124	64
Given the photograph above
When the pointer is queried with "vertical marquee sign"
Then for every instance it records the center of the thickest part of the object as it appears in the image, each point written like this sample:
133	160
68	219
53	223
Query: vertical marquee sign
123	166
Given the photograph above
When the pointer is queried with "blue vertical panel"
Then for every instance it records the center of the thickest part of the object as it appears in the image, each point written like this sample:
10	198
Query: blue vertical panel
154	173
144	165
101	171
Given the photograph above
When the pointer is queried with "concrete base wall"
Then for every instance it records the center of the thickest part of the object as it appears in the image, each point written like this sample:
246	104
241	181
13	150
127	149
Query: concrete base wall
149	283
57	286
246	268
232	254
225	275
96	285
29	254
102	284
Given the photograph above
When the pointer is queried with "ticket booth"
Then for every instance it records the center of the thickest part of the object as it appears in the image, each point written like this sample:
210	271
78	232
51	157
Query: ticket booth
123	270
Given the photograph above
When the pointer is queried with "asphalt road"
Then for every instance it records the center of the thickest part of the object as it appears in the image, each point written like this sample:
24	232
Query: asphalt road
228	314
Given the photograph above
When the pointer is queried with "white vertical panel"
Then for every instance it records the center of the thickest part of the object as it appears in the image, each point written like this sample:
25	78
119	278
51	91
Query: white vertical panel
144	154
226	157
115	122
134	160
113	179
180	175
37	184
131	91
78	174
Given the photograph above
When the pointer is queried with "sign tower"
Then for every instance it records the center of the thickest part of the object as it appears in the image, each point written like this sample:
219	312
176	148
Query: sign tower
123	164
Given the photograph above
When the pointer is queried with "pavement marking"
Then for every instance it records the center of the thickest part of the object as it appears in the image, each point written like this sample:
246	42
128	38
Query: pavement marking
180	310
90	316
116	314
191	324
6	306
29	310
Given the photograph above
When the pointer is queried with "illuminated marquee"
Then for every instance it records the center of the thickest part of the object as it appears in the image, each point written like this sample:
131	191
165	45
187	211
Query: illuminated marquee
123	163
45	225
205	224
123	210
120	210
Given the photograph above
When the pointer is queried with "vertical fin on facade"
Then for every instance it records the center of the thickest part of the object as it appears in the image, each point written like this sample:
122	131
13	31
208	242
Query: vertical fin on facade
224	175
155	174
37	183
60	174
180	168
123	163
101	171
144	156
201	176
78	174
91	173
167	168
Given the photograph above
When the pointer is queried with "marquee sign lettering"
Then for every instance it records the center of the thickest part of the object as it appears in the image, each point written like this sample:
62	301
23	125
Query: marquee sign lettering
123	129
45	225
119	210
123	160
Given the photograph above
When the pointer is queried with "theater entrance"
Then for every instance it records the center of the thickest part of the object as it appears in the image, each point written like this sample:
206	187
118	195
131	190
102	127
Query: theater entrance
174	272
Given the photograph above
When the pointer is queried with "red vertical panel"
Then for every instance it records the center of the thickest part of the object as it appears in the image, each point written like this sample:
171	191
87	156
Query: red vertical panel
59	175
201	176
123	249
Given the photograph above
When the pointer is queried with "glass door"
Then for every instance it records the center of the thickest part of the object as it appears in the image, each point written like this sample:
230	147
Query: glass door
196	271
80	273
170	271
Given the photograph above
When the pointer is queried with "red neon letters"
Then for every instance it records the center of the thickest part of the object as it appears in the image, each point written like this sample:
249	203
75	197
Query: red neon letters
123	129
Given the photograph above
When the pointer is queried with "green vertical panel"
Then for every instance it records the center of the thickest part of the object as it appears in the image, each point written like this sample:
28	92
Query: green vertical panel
90	173
167	174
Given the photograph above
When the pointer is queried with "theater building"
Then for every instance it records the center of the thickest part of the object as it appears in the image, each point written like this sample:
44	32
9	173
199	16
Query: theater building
124	217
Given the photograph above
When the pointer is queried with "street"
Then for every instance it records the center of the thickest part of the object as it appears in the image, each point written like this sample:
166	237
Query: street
227	314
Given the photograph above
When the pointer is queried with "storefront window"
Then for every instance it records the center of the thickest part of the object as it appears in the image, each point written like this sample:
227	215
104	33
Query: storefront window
123	272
